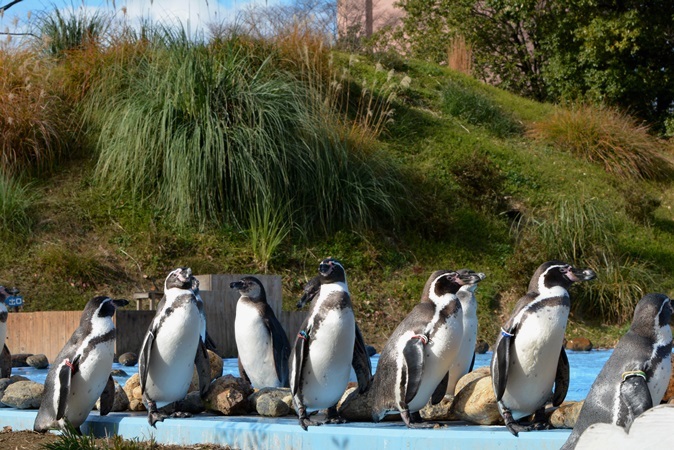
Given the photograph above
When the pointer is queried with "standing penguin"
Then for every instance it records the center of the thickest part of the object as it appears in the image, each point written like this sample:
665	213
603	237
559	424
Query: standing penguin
326	347
205	338
81	371
636	375
167	357
5	355
529	356
465	359
414	364
261	342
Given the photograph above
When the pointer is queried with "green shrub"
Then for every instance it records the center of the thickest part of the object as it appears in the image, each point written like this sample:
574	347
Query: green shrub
16	204
61	32
607	137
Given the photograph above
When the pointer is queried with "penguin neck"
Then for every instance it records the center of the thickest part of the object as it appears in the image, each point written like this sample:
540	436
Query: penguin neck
253	300
173	294
552	291
442	301
468	302
663	334
328	289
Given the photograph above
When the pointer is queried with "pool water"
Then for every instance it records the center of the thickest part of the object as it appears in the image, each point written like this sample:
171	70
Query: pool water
585	366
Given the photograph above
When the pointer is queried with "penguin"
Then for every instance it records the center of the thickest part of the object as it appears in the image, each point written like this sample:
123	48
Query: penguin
529	356
465	359
5	355
414	365
205	338
171	348
261	342
326	347
636	376
81	371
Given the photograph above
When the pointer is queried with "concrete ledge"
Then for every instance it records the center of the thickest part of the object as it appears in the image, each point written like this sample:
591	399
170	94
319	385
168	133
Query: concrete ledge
258	433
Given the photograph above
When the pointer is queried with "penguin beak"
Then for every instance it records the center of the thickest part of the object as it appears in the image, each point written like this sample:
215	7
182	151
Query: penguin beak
581	274
237	285
120	302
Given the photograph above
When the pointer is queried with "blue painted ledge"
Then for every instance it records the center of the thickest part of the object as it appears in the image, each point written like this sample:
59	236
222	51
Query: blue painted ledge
259	433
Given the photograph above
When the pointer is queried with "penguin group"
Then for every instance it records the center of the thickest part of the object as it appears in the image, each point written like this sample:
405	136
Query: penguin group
427	353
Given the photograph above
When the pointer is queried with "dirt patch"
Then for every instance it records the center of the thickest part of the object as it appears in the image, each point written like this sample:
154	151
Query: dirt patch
30	440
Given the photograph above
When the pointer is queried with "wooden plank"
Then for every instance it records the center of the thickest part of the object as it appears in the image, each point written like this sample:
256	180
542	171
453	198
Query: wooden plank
131	328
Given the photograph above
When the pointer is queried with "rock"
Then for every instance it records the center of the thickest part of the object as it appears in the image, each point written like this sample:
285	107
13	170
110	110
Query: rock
356	407
669	393
192	403
441	411
476	402
371	351
272	402
19	359
566	415
481	347
128	359
23	395
579	344
118	373
4	382
6	366
37	361
216	364
470	376
228	395
121	401
133	393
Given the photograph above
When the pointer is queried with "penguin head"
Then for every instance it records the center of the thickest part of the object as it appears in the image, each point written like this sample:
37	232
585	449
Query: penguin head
195	285
449	282
652	313
102	306
558	273
471	279
180	278
331	271
250	287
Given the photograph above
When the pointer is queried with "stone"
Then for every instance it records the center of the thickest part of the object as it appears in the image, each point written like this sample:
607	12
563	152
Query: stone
128	359
134	394
228	395
481	347
470	376
371	351
6	366
192	403
272	402
4	382
216	364
19	359
476	402
579	344
566	415
669	393
37	361
121	401
23	395
440	412
356	407
118	373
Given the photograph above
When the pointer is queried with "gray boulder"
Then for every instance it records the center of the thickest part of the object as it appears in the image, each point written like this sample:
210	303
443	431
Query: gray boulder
475	402
228	395
566	415
128	359
19	359
272	402
37	361
23	395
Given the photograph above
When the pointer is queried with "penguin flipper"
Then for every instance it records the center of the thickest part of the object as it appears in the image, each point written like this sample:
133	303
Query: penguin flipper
107	397
636	396
472	363
6	365
361	362
300	351
440	390
280	346
144	359
413	354
64	376
203	365
210	343
561	379
311	289
500	362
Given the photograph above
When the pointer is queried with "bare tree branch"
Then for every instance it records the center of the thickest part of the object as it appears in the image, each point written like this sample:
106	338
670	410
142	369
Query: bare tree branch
9	5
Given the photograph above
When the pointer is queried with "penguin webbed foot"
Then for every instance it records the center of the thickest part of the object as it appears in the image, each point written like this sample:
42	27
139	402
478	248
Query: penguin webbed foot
153	415
181	415
333	416
305	423
539	423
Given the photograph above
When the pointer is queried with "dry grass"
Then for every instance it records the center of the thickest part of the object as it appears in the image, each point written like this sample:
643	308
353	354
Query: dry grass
460	55
608	137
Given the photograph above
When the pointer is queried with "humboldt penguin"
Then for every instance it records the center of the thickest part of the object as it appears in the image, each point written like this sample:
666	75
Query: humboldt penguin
261	342
414	365
170	350
327	346
80	374
529	356
636	375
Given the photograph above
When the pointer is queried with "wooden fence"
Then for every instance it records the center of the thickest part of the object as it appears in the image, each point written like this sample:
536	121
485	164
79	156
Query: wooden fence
46	332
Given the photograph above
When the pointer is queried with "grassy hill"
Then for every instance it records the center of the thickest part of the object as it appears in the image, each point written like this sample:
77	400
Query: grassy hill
396	167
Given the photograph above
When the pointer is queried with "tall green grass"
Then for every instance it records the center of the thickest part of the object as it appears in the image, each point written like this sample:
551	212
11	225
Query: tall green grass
63	31
204	131
607	137
17	203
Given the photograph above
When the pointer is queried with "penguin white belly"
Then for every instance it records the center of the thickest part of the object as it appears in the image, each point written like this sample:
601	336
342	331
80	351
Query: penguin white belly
254	344
439	354
88	383
461	363
328	364
3	334
658	383
534	355
172	356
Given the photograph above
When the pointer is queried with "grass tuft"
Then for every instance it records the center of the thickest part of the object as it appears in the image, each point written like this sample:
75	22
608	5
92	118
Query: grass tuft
63	31
608	137
17	202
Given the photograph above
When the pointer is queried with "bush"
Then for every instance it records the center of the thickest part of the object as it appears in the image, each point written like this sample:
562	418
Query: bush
607	137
